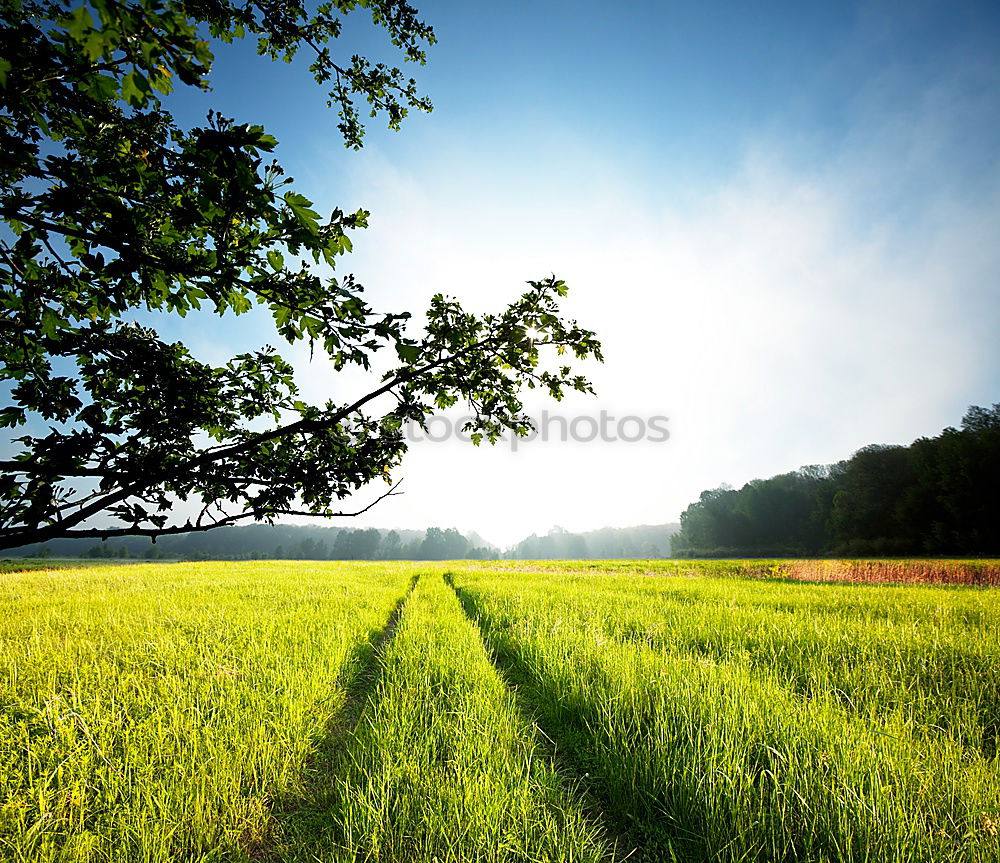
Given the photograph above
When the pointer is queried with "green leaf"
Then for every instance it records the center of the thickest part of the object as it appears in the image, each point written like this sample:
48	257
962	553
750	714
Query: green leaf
301	208
162	80
276	259
10	417
408	353
135	89
93	47
50	323
263	141
100	87
79	24
282	315
4	69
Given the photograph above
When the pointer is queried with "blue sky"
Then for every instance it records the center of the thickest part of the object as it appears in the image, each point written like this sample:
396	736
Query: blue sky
782	218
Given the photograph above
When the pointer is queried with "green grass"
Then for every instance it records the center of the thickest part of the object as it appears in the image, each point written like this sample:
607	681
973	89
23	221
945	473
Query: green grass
25	564
927	655
712	715
156	712
551	711
442	765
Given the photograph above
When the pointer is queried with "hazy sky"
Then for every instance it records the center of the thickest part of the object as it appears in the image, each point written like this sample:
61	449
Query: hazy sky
783	219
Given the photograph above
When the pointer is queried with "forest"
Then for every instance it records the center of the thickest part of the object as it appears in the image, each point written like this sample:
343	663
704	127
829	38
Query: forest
278	542
937	496
316	542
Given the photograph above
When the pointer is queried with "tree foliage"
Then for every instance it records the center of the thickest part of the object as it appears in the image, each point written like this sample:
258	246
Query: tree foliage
936	496
112	210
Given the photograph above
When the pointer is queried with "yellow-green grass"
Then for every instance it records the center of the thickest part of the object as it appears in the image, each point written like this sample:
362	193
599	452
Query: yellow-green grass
23	564
286	711
927	655
442	765
158	712
711	713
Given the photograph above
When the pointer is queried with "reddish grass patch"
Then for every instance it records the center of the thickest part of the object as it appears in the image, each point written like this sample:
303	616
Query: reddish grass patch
985	573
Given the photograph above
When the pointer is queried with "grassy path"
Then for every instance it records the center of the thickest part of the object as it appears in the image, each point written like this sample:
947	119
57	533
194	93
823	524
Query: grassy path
442	766
301	822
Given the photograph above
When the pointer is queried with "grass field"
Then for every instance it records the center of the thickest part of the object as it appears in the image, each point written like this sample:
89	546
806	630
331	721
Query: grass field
578	711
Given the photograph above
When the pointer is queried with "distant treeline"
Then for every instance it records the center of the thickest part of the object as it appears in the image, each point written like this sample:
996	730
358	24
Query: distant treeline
309	542
279	542
937	496
646	541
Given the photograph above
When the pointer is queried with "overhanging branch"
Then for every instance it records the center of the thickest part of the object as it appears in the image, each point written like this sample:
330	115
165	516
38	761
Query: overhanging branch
44	534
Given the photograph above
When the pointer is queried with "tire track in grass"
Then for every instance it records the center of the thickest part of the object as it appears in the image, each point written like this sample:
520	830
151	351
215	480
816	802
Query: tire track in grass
361	684
441	765
573	773
567	720
307	812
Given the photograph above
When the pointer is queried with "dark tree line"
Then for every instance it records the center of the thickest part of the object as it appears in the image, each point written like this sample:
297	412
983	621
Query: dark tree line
937	496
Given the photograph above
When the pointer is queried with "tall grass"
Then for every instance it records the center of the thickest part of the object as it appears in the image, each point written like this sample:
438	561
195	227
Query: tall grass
153	713
983	573
928	655
334	712
442	766
714	754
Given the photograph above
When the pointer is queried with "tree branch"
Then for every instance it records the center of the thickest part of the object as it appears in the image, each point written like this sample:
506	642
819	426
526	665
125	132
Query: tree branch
15	540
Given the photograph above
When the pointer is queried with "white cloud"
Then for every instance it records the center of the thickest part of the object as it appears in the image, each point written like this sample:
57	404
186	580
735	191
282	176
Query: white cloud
787	316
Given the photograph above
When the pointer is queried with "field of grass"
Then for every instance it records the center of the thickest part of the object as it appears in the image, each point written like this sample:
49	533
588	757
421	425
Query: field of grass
577	711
